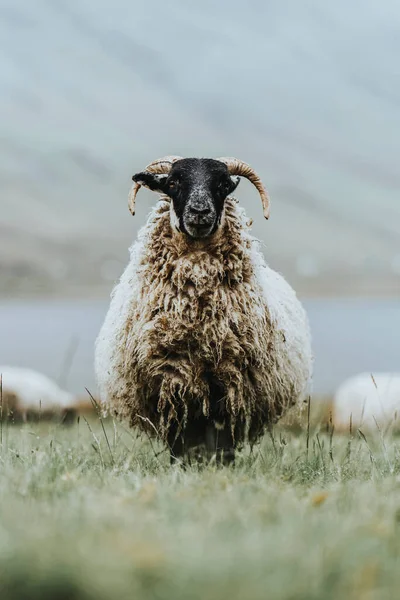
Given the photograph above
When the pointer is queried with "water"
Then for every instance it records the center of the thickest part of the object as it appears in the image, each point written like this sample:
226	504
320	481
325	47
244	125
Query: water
56	337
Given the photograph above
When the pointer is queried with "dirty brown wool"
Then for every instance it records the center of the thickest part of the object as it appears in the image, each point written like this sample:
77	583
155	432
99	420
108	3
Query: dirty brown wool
203	345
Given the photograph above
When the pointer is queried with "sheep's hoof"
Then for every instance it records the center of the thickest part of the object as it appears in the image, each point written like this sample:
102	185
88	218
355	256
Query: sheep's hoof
217	448
226	457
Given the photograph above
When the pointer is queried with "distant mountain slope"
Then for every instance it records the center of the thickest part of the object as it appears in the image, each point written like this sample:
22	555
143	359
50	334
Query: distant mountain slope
308	93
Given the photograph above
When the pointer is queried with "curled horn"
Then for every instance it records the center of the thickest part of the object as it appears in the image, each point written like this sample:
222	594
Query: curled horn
160	166
238	167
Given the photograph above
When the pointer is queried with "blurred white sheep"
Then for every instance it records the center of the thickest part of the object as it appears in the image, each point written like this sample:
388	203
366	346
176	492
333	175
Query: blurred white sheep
371	401
29	395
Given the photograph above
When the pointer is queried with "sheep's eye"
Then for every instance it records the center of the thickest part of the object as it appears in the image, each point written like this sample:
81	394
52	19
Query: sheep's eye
173	184
223	187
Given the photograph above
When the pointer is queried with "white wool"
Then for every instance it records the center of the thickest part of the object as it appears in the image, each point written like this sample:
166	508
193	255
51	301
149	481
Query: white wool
174	218
295	352
369	400
34	391
107	347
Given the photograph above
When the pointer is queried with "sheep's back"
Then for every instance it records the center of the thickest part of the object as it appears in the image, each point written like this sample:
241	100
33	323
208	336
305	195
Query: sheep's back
290	325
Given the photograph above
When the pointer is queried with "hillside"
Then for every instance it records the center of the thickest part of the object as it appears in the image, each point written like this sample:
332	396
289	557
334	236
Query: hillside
310	95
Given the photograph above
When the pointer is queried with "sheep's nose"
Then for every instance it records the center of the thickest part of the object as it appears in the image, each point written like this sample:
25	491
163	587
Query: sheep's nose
200	209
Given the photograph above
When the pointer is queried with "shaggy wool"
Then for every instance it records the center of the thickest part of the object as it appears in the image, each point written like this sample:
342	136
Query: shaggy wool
202	331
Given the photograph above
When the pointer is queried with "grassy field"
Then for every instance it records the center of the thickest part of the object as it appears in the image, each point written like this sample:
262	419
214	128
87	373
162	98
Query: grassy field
83	520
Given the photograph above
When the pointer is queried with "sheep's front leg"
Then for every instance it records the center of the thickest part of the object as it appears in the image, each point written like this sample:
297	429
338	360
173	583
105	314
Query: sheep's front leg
220	443
225	447
177	451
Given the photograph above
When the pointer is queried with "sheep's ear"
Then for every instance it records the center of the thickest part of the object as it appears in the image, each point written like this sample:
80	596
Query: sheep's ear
153	182
234	182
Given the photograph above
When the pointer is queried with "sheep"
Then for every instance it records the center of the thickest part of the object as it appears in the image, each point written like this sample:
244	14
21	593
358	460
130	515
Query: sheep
367	401
203	345
28	395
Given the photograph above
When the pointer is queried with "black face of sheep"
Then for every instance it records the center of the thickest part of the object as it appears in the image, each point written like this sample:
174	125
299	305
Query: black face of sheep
198	188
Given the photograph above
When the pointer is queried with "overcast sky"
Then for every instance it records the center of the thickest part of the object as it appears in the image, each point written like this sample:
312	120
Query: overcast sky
308	93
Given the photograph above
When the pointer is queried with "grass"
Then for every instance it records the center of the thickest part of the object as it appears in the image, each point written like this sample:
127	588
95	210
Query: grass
86	518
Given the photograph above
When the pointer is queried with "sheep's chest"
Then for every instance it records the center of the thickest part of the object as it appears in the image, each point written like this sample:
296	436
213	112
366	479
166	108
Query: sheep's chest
198	324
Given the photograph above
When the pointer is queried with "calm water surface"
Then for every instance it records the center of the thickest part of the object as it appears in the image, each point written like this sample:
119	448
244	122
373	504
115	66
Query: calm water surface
56	337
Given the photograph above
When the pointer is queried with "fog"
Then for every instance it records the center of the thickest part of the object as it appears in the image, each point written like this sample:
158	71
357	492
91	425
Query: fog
91	92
